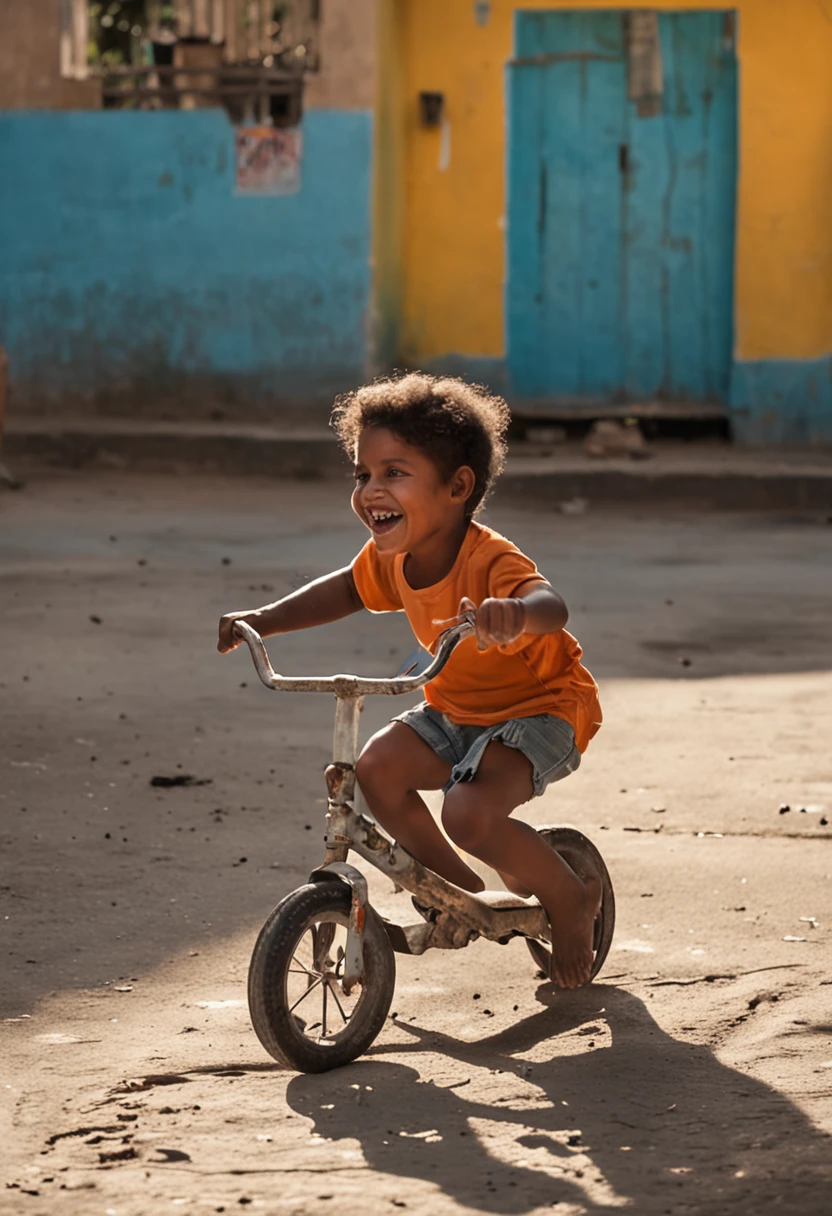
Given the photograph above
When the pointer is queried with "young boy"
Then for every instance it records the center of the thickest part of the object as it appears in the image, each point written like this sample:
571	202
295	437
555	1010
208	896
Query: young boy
514	708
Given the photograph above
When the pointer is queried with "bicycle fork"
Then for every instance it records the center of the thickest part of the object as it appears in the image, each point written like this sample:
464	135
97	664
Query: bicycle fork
340	782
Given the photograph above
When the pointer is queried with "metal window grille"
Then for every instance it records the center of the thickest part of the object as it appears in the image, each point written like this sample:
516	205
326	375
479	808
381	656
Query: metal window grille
248	55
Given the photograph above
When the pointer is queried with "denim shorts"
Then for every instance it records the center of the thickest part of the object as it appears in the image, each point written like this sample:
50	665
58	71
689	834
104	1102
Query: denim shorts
546	741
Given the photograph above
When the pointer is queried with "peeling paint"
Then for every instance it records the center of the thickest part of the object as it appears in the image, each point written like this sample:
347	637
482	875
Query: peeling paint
445	146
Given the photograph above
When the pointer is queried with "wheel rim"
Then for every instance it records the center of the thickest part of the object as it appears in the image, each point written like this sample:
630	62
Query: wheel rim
320	1009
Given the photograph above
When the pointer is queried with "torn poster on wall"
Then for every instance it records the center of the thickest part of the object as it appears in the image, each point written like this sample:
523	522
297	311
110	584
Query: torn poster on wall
268	160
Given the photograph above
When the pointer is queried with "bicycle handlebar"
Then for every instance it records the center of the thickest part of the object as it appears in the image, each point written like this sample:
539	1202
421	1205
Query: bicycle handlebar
350	686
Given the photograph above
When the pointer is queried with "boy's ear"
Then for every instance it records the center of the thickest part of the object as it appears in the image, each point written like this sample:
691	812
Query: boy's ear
462	483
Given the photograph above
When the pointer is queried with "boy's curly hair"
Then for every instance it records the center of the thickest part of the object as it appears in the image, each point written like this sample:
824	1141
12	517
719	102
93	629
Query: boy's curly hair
452	422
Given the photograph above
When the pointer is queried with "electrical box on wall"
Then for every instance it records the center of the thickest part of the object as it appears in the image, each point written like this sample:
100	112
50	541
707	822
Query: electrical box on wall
431	109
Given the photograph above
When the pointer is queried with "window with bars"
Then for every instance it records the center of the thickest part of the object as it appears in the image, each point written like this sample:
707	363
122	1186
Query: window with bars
248	55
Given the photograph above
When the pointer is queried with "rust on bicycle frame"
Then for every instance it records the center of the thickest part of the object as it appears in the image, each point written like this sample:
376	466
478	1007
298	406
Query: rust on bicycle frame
339	777
340	784
354	953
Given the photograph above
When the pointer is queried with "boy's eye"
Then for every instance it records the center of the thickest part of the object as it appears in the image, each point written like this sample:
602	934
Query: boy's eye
392	472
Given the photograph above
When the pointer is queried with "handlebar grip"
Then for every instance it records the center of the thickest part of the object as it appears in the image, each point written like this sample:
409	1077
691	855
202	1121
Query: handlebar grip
244	631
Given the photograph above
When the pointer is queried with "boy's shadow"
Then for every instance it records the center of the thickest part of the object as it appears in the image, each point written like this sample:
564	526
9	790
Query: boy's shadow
663	1123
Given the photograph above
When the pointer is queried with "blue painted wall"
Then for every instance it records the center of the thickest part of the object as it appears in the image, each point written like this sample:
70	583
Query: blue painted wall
133	277
782	400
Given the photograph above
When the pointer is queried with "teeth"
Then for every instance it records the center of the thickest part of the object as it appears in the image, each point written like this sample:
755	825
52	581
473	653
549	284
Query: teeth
380	516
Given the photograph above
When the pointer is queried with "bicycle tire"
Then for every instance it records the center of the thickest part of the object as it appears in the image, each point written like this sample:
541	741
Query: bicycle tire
280	1032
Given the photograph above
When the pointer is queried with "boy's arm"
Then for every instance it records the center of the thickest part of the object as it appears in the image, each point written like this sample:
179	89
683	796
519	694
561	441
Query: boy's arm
546	611
534	608
326	599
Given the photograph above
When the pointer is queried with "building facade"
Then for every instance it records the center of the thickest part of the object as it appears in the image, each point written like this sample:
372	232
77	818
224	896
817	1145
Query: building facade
585	206
574	242
176	259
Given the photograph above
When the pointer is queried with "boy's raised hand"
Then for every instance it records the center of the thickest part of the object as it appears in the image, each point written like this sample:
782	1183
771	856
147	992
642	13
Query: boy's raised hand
496	621
228	640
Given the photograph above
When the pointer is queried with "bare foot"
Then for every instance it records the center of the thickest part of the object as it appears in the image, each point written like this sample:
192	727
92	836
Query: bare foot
572	918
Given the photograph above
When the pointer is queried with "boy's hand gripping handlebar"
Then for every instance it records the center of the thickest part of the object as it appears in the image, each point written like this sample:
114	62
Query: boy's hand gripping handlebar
351	686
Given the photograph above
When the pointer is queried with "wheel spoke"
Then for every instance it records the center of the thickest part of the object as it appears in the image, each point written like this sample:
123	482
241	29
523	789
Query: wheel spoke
306	993
338	1003
301	964
322	966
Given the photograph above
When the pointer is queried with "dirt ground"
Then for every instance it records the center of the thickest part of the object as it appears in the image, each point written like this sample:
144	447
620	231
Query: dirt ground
694	1077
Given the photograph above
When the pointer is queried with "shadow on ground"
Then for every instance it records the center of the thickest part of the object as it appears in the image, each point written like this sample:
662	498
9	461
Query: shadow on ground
647	1122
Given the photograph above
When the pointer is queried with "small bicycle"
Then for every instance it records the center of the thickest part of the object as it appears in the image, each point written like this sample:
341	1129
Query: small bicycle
323	969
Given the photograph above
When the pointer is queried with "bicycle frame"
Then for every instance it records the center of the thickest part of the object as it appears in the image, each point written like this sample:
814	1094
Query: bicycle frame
453	917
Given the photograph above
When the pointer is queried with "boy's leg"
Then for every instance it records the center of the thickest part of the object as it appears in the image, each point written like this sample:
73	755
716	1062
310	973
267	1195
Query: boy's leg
394	765
476	817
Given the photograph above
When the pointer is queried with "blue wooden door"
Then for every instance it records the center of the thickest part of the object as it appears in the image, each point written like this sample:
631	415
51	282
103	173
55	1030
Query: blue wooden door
621	226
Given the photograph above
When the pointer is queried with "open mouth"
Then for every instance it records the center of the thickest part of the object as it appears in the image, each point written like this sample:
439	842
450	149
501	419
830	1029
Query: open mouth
382	522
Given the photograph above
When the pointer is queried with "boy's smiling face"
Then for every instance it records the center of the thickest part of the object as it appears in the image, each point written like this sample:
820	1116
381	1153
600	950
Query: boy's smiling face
401	495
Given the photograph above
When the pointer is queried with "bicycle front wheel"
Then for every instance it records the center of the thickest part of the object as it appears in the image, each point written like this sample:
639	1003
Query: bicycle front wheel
298	1006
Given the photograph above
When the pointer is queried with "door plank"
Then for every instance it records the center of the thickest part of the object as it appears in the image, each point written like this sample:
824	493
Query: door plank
621	228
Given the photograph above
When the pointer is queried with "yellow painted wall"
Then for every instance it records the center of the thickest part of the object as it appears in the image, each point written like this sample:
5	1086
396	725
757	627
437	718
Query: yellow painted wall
388	191
452	239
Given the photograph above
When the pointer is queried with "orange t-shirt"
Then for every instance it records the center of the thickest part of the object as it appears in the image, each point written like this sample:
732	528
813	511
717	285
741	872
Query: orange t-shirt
534	674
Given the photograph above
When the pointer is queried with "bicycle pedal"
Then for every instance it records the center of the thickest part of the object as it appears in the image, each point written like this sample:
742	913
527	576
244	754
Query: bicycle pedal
397	937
